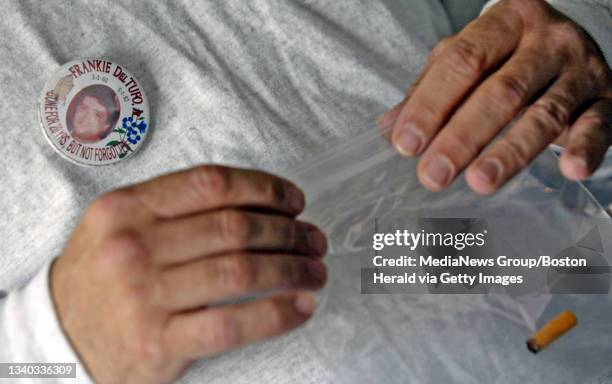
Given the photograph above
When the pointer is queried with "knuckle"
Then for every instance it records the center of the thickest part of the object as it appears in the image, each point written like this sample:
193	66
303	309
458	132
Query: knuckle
275	191
599	73
235	227
288	273
290	234
105	208
465	58
553	113
211	180
508	91
597	139
567	31
528	7
440	47
237	272
124	247
221	331
579	78
516	153
595	118
571	44
427	110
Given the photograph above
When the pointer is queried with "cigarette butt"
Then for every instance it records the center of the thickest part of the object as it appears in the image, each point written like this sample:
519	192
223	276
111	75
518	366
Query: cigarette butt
551	331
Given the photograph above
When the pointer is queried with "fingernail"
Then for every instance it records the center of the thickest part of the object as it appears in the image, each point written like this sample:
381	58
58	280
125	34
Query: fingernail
438	171
305	303
579	160
317	272
488	171
296	198
576	165
316	241
408	142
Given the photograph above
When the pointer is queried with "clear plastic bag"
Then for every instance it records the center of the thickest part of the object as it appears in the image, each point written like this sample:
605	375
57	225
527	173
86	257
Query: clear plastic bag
427	338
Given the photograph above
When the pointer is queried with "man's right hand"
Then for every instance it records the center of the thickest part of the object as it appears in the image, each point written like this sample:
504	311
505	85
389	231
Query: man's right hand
134	286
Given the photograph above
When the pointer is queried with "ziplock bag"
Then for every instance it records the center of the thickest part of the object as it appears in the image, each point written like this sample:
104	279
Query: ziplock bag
444	338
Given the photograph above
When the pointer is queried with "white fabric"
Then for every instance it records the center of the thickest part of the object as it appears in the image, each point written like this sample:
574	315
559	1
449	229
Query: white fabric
259	83
31	330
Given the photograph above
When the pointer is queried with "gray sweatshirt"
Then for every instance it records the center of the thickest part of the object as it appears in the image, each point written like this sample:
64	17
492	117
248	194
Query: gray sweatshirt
262	83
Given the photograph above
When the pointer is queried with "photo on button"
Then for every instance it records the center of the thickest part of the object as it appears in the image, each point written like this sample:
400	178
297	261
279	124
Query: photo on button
92	113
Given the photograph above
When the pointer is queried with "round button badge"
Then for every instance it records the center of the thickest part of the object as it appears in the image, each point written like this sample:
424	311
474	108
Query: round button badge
94	112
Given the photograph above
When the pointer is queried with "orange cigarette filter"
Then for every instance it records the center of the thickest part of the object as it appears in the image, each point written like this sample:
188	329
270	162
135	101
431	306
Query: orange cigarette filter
551	331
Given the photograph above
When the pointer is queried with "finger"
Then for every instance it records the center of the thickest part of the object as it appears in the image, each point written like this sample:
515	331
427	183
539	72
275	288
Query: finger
385	121
212	331
492	105
231	230
540	125
589	138
212	280
211	186
462	62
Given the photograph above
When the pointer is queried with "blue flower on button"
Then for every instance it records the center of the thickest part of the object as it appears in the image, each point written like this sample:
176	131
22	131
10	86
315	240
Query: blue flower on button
134	128
131	132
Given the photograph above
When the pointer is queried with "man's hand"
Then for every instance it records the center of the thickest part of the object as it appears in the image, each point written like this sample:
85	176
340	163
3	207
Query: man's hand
521	59
135	284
